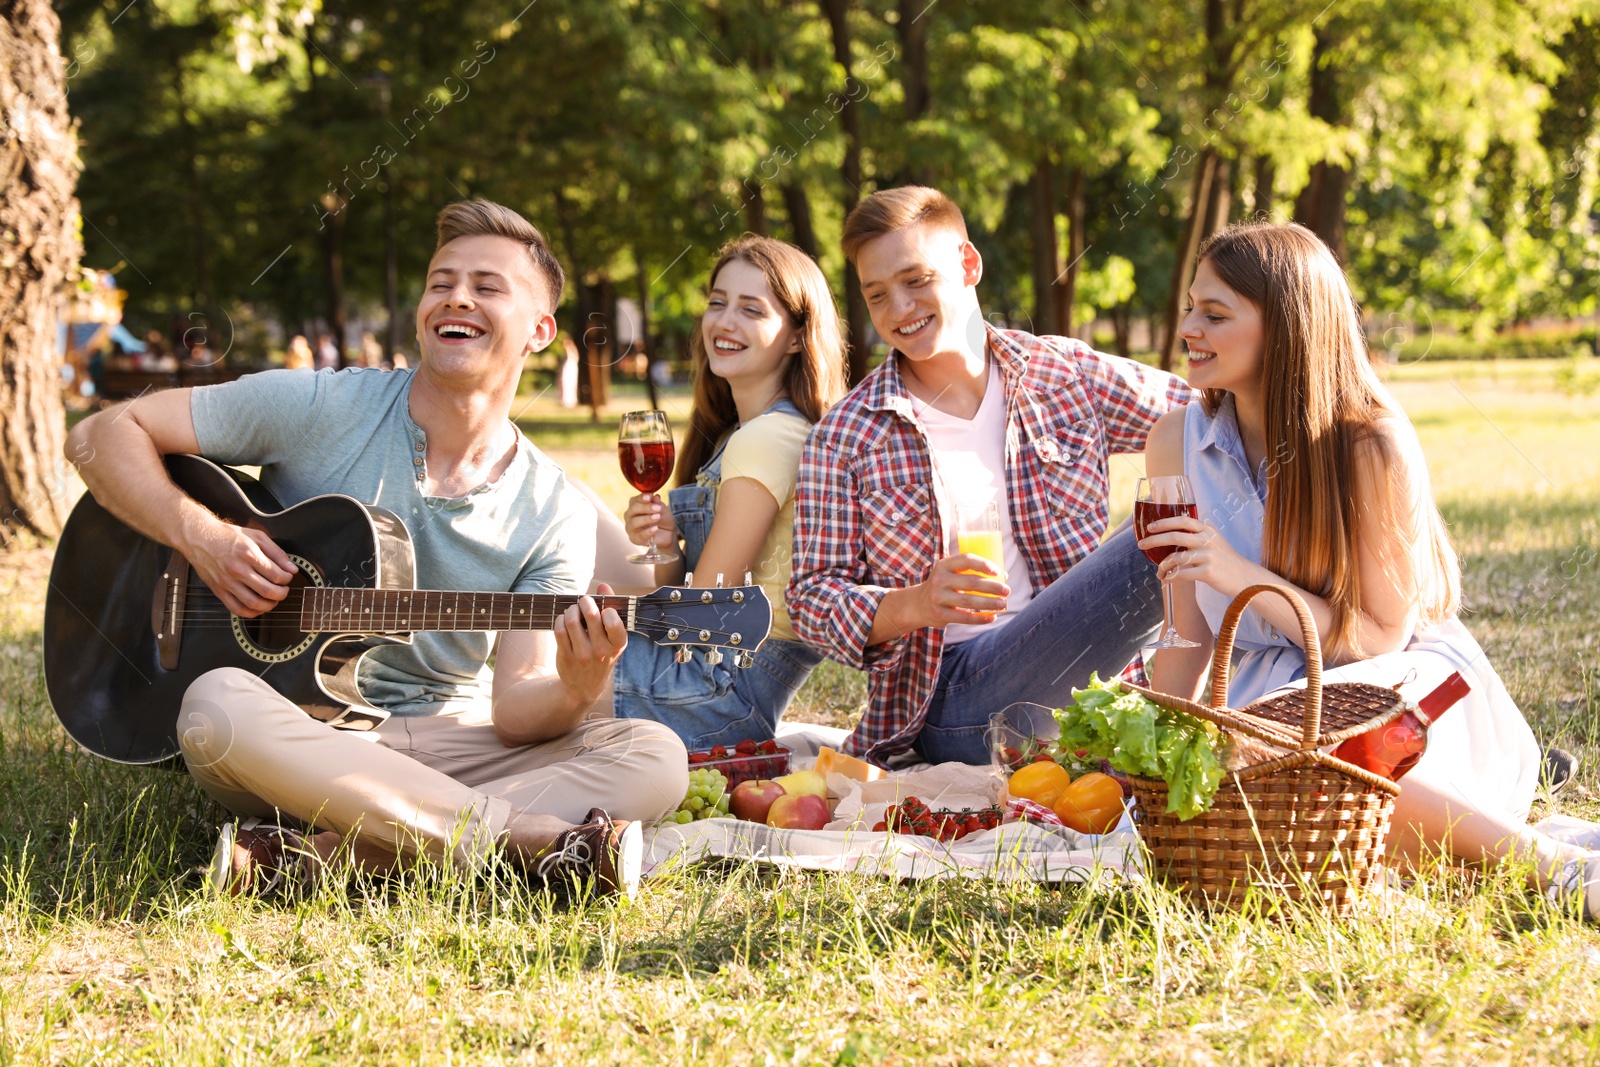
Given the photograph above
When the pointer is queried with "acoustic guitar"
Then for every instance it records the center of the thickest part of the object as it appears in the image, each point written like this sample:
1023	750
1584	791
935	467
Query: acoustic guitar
128	625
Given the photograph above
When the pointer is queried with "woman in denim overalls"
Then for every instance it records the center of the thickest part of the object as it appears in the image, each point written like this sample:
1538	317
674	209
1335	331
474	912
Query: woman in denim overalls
768	361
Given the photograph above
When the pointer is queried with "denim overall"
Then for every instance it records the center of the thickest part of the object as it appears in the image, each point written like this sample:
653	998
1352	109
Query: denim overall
708	705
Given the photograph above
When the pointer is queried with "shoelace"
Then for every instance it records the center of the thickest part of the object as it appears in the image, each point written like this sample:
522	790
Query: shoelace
575	852
266	878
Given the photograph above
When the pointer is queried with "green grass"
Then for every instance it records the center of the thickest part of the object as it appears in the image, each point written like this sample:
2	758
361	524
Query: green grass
110	953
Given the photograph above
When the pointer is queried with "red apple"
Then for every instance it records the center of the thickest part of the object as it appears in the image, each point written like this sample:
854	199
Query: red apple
805	812
753	799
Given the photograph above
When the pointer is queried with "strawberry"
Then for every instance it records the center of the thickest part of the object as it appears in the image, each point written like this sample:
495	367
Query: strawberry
747	747
768	747
699	757
718	752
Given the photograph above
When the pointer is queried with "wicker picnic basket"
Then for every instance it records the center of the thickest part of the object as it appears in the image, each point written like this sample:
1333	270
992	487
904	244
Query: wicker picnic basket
1304	824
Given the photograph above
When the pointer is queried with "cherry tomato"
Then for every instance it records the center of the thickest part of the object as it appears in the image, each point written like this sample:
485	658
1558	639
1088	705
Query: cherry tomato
1042	783
1092	804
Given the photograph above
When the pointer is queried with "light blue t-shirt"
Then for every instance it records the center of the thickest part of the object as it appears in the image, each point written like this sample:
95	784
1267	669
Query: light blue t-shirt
351	432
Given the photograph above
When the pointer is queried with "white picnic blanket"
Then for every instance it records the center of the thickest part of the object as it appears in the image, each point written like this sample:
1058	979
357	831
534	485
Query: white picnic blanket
1013	851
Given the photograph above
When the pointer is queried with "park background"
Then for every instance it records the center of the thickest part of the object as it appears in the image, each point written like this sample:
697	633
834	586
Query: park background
248	170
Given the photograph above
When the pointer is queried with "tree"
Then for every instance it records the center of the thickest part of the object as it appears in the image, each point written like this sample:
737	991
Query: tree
38	248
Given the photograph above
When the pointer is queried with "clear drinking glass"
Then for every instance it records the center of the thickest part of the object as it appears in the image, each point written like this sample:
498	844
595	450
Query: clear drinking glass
645	452
978	534
1163	498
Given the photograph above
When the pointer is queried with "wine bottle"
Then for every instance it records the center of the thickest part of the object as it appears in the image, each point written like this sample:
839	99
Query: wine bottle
1393	750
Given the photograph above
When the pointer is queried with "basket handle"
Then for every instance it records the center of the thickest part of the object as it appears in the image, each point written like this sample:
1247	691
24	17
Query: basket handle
1222	658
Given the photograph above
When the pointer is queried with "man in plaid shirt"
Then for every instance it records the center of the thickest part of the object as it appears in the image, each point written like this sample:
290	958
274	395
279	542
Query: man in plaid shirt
962	415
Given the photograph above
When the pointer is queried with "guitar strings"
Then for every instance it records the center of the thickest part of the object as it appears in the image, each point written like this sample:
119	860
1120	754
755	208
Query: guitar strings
212	613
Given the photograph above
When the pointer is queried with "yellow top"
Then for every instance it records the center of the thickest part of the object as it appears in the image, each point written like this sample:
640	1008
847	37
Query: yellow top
767	450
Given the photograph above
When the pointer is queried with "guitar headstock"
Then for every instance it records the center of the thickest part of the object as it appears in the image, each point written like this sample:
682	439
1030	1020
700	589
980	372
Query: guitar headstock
737	618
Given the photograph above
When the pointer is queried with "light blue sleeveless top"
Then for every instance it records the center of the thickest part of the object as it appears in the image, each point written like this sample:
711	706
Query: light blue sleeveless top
1233	498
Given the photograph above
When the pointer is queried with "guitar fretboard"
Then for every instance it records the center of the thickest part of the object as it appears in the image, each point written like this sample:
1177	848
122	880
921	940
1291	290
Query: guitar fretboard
380	611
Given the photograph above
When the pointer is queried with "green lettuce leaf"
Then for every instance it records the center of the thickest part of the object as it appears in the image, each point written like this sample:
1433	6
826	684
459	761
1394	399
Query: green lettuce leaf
1137	736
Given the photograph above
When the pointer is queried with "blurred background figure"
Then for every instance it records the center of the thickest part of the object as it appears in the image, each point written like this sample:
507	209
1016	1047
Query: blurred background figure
327	352
371	350
298	357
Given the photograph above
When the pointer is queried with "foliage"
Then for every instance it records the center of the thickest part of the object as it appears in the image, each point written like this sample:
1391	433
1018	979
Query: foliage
223	139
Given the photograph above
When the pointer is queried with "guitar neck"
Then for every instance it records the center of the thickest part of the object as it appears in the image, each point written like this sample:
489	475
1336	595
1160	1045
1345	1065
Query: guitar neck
378	611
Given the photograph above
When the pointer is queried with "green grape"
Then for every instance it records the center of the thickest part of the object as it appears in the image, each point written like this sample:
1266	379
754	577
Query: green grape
708	788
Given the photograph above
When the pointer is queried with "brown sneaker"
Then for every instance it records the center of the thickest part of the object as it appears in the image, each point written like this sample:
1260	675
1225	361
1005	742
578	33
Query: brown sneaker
256	858
599	852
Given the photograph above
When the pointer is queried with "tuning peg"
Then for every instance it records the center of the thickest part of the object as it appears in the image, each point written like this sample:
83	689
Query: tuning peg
747	578
719	579
684	655
688	579
744	659
713	657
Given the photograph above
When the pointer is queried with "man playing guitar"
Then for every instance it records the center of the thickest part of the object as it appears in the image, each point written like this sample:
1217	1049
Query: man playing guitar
471	760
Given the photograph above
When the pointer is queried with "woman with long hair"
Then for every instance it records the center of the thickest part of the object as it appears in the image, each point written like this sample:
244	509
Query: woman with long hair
1307	473
768	361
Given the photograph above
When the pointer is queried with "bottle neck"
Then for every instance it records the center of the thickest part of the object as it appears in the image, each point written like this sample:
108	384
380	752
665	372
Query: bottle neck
1443	698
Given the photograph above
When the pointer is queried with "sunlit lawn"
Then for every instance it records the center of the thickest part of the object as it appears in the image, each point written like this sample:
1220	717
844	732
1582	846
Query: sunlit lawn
110	953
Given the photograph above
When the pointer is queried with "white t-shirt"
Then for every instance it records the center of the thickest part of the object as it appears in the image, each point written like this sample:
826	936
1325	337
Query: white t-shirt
969	466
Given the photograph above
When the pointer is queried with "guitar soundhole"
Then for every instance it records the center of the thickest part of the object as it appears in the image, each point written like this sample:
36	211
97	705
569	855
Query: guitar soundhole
276	636
279	628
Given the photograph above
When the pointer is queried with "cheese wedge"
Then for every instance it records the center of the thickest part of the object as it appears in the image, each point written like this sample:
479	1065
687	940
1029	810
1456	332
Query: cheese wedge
849	766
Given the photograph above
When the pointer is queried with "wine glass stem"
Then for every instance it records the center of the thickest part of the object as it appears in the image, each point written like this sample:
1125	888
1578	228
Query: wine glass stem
1167	629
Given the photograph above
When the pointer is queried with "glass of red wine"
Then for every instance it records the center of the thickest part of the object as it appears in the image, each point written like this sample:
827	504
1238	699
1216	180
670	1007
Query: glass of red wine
645	451
1163	498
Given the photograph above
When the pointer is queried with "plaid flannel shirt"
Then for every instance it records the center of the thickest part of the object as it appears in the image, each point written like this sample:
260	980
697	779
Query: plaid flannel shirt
866	517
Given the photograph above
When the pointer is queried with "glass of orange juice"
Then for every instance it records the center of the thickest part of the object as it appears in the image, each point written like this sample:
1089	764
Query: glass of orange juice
978	533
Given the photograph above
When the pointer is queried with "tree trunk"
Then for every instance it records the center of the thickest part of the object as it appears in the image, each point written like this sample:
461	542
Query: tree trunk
1183	270
598	344
646	342
755	208
1046	256
1067	285
391	272
1122	327
1220	202
38	228
912	30
1320	206
199	235
798	206
837	12
1261	194
333	270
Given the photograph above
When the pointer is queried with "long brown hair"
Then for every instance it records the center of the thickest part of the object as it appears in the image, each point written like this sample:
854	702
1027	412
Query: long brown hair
815	379
1322	405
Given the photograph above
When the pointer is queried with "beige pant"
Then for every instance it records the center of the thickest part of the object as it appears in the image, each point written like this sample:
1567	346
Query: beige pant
441	784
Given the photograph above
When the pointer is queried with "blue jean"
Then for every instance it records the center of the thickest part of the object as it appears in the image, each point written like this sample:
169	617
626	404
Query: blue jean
706	705
1096	617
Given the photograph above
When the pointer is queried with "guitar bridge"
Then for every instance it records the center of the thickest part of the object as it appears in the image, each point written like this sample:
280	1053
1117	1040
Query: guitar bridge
166	615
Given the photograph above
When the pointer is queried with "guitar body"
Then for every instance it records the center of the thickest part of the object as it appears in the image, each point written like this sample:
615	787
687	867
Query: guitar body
104	665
